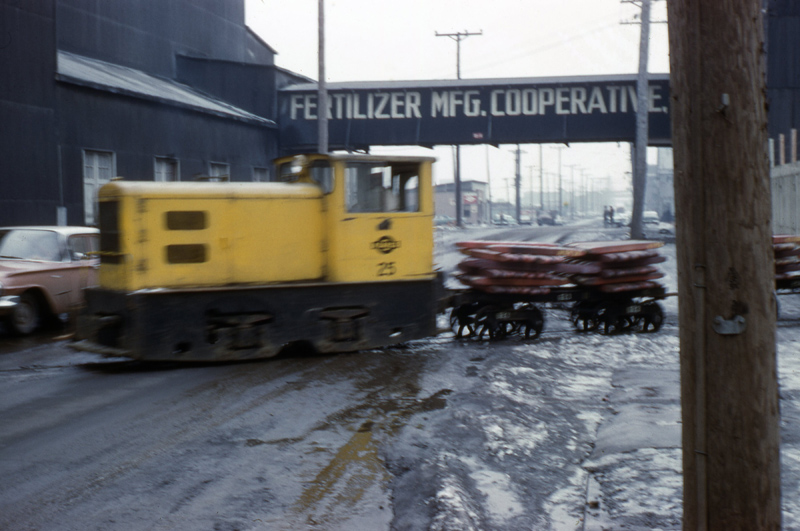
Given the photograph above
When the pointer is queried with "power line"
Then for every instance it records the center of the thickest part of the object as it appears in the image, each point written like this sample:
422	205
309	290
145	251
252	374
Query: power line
458	37
527	51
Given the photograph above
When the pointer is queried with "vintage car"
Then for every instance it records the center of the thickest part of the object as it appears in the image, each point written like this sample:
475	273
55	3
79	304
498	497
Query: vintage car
43	271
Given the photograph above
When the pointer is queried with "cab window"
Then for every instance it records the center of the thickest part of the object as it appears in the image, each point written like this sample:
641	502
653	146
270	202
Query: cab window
379	187
319	171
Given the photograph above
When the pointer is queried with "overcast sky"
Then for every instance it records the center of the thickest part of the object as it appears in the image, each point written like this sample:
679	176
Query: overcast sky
373	40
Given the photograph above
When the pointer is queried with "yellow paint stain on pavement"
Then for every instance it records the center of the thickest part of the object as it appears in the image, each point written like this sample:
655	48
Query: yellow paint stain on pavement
350	474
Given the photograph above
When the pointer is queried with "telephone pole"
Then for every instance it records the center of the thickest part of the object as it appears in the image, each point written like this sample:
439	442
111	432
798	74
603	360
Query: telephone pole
642	112
488	183
541	180
518	184
530	181
458	37
560	191
322	89
518	180
727	307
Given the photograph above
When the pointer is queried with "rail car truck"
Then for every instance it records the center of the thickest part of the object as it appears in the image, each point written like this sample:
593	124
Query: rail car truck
338	255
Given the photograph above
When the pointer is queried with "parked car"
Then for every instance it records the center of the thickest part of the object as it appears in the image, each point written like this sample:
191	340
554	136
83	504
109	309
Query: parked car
504	219
441	221
551	218
623	220
650	217
43	271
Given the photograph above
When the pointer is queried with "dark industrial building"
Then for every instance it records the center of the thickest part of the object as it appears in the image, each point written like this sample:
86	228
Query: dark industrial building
147	90
783	66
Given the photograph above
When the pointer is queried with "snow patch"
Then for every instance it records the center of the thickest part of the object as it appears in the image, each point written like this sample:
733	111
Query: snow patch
501	502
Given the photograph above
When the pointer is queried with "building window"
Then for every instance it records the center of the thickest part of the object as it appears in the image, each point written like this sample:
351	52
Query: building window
166	170
260	175
219	171
98	169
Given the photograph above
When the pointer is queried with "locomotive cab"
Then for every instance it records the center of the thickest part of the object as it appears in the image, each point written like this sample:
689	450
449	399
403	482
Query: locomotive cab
337	255
378	214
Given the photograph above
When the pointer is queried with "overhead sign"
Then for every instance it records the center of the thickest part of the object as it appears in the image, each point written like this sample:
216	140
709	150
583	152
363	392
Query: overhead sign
529	110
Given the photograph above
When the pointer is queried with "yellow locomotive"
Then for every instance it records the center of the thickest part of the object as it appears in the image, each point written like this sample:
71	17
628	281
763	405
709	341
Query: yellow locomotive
338	255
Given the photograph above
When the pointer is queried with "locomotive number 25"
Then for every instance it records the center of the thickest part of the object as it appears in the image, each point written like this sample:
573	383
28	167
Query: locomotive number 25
386	269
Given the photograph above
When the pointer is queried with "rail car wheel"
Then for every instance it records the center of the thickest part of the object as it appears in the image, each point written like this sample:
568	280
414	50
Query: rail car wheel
586	323
610	321
653	318
463	318
534	323
584	317
486	324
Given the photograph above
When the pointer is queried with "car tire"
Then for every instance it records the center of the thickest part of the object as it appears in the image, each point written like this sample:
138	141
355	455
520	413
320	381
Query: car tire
27	315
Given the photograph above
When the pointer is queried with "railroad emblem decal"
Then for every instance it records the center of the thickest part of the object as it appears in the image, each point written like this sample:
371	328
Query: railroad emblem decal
385	244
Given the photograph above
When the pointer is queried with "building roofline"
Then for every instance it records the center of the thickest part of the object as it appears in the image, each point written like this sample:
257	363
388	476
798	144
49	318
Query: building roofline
116	79
226	61
291	73
260	40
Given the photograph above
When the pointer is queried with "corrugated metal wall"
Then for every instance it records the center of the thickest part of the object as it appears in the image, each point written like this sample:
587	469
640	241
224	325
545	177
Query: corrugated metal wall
783	66
50	123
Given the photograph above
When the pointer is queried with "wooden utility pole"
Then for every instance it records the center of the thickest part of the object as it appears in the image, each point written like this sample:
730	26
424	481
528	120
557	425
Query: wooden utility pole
642	120
729	390
458	37
322	87
518	183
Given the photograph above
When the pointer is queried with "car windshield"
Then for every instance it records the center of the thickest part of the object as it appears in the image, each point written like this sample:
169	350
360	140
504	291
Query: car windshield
24	244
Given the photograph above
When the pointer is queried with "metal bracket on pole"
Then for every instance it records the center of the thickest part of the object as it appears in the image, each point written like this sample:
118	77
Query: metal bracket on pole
729	327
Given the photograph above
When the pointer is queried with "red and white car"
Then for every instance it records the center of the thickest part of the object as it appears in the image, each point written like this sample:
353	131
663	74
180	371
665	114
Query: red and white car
43	272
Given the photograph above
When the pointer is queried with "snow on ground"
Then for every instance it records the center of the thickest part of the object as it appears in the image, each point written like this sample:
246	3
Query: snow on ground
571	431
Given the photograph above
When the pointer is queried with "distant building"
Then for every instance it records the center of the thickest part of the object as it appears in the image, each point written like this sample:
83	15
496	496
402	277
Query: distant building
475	196
148	90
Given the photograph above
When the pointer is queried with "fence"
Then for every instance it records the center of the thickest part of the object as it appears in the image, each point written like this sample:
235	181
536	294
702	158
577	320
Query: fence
785	199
